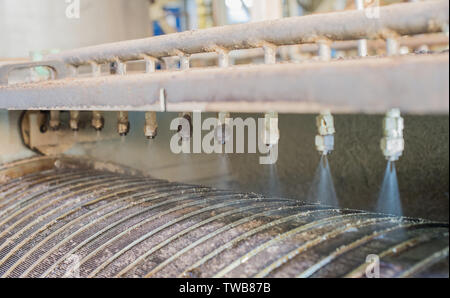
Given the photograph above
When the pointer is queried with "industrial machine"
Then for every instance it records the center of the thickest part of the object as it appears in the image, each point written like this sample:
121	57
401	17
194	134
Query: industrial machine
125	159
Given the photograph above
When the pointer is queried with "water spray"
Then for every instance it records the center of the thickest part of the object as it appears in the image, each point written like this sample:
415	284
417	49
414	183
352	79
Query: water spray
325	138
322	189
393	144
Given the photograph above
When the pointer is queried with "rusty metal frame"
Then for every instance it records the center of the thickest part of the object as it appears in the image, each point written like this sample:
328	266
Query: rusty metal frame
414	83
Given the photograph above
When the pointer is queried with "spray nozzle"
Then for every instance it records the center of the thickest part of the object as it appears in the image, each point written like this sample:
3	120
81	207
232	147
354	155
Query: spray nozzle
123	125
185	126
74	122
223	130
325	138
393	144
271	133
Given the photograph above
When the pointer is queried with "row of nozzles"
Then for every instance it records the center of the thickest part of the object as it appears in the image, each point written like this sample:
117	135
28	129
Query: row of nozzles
98	122
392	144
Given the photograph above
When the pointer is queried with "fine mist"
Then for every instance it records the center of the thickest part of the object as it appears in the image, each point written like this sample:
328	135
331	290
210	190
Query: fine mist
322	189
389	198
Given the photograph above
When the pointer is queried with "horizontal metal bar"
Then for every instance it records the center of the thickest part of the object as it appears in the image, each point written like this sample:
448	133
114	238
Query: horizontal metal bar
413	83
396	19
412	42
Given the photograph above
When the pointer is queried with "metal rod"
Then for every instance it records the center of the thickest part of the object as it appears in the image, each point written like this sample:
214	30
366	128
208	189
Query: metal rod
362	43
324	50
392	46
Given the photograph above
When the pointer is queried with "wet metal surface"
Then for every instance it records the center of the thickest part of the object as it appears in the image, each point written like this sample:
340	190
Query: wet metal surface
118	223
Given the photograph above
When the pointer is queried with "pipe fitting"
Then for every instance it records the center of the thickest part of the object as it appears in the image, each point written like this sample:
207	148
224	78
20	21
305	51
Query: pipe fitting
55	122
151	125
185	130
97	122
123	125
271	133
74	122
325	139
223	130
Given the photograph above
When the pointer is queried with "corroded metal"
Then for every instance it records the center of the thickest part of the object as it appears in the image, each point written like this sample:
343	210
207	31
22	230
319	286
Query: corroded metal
419	82
402	19
58	68
401	82
130	225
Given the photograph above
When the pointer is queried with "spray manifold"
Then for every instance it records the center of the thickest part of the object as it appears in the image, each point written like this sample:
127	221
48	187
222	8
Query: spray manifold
325	138
393	144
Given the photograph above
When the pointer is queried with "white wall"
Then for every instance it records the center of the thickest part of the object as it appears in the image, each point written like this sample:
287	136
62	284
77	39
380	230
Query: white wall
266	10
36	25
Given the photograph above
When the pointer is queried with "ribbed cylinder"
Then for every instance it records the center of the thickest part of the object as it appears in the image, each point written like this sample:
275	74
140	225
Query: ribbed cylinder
64	217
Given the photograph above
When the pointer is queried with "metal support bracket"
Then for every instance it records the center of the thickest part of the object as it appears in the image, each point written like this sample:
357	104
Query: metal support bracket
59	69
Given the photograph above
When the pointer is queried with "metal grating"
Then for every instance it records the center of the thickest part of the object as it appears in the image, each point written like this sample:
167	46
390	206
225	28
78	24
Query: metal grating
135	226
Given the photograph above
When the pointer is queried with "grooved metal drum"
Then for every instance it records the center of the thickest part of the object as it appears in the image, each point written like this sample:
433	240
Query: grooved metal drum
66	217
